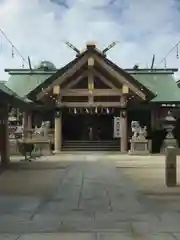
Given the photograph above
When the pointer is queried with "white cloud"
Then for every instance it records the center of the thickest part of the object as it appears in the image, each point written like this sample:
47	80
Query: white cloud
38	27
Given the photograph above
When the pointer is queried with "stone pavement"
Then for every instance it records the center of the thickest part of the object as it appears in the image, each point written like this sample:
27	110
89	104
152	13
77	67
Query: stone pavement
91	197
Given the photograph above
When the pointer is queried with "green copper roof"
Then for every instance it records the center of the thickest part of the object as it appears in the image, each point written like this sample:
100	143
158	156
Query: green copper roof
22	84
9	92
11	96
163	85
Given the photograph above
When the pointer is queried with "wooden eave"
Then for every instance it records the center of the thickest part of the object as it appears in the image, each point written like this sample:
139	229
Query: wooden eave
94	92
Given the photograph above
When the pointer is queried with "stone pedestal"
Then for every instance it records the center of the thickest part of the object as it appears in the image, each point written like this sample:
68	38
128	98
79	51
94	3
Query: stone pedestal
13	148
139	146
169	142
43	147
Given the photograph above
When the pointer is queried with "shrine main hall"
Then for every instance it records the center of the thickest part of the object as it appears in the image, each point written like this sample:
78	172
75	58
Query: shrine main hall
91	102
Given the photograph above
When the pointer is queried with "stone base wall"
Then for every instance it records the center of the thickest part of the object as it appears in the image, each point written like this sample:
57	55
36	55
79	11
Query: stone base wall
13	148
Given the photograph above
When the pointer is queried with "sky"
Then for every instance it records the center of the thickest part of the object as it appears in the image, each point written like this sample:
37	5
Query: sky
38	28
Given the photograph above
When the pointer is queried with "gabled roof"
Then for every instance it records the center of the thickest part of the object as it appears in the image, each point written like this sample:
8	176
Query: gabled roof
92	50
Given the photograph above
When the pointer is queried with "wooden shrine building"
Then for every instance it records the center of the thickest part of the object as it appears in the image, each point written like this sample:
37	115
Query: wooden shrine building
82	99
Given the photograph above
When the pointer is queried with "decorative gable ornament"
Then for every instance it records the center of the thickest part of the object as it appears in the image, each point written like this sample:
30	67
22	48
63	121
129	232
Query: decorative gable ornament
56	90
90	62
125	89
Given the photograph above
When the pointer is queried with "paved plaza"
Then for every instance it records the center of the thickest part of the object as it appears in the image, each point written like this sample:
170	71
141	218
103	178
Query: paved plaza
93	196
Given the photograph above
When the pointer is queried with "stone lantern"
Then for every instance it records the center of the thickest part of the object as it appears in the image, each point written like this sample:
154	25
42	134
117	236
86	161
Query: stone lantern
168	125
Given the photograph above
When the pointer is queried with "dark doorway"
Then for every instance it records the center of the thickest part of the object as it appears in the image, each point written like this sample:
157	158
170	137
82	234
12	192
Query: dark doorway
176	131
87	127
158	135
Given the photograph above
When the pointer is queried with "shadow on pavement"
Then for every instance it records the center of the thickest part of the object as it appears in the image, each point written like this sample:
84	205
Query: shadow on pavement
37	165
32	178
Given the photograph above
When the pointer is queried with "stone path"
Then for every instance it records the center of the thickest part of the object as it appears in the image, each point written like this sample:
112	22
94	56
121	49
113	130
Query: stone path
91	199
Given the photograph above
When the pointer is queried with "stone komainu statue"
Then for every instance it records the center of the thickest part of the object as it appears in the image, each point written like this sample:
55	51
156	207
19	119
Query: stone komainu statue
43	130
138	131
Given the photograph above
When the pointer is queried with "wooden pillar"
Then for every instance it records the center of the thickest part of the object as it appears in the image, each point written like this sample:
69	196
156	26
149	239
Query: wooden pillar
57	132
90	79
27	122
123	126
4	136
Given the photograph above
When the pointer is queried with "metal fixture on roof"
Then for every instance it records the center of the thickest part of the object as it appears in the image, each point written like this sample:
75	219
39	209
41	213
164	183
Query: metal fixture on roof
29	62
153	60
88	44
136	67
91	44
46	65
109	47
72	47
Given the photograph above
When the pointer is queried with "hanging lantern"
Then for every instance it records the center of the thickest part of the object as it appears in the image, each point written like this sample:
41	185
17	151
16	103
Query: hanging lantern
165	64
75	111
23	64
177	51
96	110
12	52
107	110
87	111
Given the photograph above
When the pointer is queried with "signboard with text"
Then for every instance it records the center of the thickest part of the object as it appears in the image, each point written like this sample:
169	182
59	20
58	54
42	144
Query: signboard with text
117	130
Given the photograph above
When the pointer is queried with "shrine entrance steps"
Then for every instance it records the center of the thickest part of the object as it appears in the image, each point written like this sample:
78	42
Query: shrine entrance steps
106	145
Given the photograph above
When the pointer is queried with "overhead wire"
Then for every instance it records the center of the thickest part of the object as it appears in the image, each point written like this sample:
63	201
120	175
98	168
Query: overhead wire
176	46
14	48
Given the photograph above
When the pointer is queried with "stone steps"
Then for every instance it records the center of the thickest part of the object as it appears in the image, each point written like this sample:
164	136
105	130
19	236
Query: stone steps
110	145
